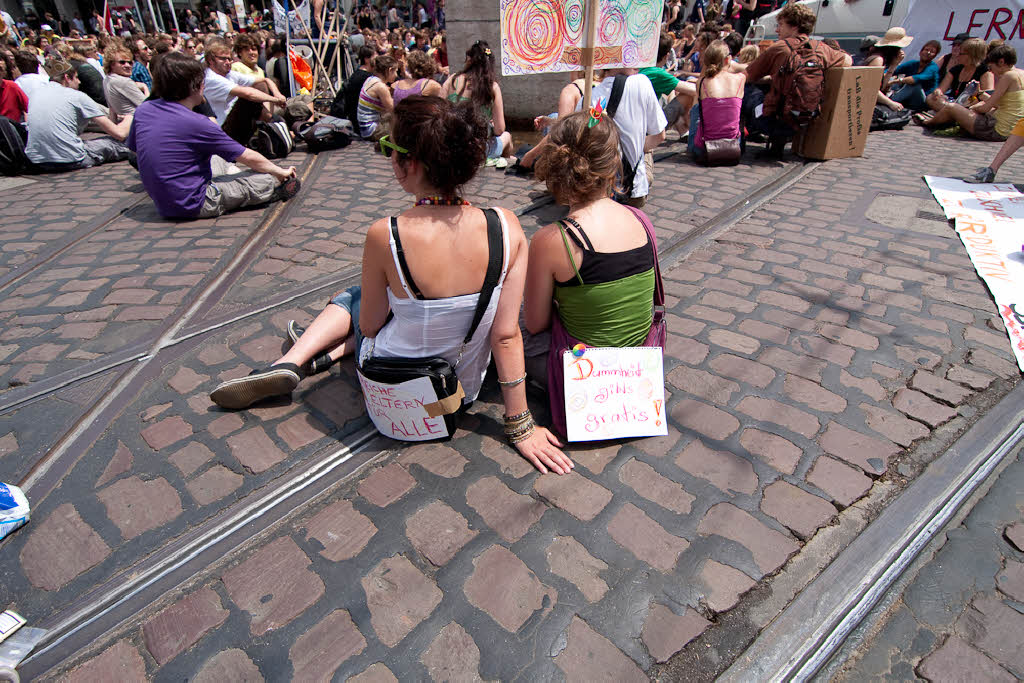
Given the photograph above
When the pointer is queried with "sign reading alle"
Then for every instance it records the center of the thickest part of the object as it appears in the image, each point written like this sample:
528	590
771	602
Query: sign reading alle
613	393
397	410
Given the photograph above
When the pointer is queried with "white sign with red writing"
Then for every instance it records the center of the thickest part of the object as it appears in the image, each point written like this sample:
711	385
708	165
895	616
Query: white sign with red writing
944	19
397	409
614	393
990	221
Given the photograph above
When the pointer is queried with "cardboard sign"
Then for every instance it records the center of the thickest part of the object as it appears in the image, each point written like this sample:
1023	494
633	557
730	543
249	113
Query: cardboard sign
397	410
544	36
841	130
613	393
990	222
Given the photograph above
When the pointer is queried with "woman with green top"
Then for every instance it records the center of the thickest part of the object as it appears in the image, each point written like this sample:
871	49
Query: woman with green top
476	82
592	276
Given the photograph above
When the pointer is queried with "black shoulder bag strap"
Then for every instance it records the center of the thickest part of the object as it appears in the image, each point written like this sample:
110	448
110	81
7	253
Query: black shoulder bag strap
495	258
618	86
402	263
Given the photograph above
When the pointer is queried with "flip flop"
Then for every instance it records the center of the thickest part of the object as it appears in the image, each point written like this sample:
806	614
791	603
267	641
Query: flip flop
277	380
501	162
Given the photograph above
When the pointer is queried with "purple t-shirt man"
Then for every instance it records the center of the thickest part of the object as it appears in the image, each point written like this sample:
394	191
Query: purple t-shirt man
174	145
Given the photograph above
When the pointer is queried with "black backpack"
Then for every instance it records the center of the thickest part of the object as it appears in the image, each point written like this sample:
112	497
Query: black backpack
883	118
12	148
272	139
628	173
347	100
329	132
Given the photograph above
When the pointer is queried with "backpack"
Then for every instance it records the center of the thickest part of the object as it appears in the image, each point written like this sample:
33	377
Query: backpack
272	139
12	148
347	100
628	173
802	84
329	132
883	118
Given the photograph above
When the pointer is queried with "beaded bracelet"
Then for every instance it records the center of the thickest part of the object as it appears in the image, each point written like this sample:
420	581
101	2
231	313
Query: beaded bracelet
513	382
522	437
516	418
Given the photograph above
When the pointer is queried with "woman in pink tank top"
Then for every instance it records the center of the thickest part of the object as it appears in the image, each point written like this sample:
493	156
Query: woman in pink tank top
721	95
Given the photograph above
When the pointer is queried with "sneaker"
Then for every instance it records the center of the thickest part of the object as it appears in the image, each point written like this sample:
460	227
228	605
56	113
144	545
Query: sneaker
321	363
295	331
984	175
277	380
287	190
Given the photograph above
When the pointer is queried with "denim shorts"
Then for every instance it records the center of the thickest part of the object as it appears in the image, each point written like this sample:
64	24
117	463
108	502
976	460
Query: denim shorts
494	147
349	300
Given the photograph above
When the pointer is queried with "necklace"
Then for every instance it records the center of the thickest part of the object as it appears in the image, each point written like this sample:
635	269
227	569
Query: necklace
442	201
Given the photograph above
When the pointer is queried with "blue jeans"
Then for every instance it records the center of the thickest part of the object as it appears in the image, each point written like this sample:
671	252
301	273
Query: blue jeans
911	96
349	300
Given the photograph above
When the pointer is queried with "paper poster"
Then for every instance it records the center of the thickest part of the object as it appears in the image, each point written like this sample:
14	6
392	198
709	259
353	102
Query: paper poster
294	13
397	409
240	14
990	221
224	21
543	36
614	393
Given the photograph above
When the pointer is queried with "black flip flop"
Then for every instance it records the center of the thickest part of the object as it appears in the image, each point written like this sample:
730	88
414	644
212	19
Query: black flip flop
277	380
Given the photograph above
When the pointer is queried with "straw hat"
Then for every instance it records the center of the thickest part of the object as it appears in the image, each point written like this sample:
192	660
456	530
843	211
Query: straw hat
895	37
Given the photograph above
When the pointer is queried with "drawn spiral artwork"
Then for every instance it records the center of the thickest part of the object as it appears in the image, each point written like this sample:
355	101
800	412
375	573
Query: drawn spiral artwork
543	36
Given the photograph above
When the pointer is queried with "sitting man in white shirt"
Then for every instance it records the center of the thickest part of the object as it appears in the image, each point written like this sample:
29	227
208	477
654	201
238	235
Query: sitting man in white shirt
57	115
641	125
238	100
30	78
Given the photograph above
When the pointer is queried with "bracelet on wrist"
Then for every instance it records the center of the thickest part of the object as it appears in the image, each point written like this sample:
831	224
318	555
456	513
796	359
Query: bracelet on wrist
513	382
516	418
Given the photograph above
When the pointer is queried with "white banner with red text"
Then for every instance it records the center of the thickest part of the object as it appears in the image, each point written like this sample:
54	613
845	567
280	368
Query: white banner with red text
942	20
990	221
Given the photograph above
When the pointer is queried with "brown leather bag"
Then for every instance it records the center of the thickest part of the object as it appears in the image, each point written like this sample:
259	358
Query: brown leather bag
721	152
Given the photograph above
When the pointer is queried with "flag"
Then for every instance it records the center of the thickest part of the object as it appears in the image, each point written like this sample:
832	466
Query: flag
108	23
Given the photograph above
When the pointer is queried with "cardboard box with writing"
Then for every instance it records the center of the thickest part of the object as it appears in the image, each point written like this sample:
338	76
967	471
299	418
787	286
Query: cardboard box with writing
842	129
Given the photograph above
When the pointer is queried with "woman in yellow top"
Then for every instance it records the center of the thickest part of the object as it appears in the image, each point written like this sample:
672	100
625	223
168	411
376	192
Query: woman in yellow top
993	118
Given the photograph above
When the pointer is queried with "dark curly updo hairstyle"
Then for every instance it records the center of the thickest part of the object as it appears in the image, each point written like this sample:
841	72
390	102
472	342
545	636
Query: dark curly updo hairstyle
449	139
578	163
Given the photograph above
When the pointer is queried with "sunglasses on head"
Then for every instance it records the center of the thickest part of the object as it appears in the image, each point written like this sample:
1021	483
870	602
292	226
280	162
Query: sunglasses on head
386	147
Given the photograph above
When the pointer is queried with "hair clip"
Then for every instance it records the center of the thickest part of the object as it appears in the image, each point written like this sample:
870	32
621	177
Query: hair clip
596	112
487	51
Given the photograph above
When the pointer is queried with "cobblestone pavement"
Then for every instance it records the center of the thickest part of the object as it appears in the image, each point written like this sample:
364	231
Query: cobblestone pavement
809	347
961	618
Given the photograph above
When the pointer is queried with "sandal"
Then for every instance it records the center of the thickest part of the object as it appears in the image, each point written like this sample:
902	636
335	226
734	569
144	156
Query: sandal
320	363
516	168
277	380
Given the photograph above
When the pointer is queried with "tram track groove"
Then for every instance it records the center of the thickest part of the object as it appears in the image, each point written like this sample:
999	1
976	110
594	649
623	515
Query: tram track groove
70	447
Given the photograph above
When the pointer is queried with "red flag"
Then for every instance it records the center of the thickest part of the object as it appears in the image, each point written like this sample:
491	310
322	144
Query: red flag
108	23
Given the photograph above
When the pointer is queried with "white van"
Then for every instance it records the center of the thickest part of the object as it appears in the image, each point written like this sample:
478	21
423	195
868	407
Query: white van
847	22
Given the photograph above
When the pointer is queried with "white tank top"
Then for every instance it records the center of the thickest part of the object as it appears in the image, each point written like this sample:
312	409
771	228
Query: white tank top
422	328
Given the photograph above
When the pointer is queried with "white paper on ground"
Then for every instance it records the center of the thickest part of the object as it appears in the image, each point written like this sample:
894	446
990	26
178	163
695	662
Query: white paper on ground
990	221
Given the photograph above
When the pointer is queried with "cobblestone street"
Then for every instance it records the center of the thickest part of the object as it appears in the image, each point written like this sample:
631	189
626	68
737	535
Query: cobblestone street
830	341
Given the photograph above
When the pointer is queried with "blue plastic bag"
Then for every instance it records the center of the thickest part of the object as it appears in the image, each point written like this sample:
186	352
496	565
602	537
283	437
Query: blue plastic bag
14	509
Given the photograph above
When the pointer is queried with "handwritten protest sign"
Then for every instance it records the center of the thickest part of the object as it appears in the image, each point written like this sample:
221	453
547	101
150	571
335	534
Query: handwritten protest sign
397	410
990	222
542	36
613	393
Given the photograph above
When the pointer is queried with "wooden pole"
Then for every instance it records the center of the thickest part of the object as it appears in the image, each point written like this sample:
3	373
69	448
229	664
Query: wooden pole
337	43
593	7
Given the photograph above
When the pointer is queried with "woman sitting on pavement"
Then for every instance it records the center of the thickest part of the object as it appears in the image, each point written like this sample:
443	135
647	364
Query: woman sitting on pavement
424	309
592	275
994	118
720	94
421	81
888	54
915	78
970	68
476	83
375	96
